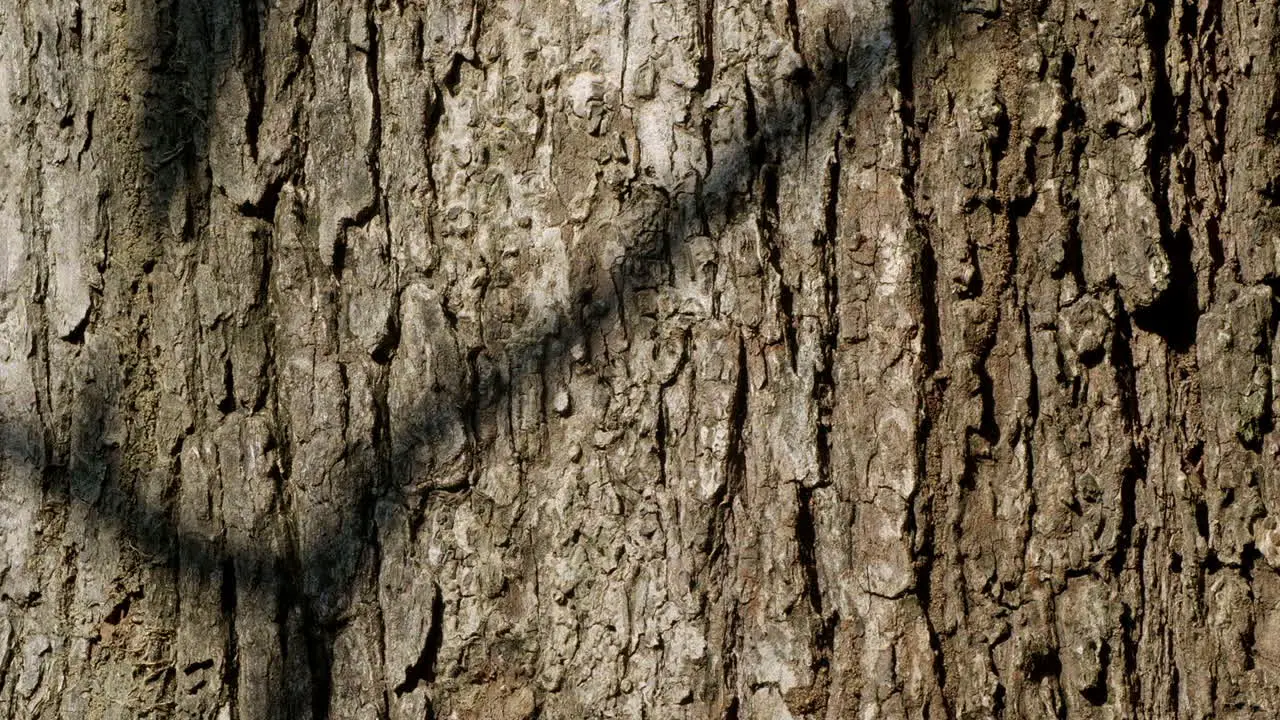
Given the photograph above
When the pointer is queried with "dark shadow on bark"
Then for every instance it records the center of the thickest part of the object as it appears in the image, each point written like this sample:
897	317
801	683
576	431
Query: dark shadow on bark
194	44
199	40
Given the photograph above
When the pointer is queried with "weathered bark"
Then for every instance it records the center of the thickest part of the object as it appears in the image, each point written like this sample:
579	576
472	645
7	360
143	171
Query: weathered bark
639	359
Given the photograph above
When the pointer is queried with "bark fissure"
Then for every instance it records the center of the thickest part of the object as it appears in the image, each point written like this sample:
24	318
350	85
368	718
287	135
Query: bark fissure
1174	315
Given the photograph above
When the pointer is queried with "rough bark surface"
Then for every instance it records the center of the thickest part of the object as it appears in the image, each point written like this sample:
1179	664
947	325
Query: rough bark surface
686	358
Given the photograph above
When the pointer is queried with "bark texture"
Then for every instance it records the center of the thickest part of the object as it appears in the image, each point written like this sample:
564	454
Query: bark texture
639	358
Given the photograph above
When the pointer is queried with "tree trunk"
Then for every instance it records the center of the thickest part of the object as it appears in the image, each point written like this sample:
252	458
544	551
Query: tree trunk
665	359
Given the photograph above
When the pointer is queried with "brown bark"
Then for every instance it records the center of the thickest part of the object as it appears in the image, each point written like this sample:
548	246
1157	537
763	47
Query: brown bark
639	359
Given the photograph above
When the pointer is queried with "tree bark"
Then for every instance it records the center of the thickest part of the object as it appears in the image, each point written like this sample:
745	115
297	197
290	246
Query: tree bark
800	359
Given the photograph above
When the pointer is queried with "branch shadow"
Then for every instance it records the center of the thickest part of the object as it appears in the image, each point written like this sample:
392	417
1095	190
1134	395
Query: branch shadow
196	41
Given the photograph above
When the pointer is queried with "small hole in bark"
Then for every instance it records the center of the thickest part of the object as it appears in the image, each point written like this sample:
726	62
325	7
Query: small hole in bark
1202	518
339	256
1212	563
1194	453
1041	663
1249	556
197	666
1175	315
802	76
1093	356
228	403
1095	695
